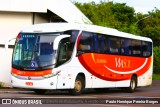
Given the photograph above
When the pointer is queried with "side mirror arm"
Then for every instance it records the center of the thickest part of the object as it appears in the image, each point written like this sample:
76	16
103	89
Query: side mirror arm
6	43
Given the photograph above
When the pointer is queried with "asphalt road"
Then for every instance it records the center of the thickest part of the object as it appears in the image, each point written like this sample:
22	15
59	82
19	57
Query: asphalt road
142	93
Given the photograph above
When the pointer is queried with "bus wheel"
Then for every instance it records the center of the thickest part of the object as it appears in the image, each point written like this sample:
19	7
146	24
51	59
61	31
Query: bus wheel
133	84
39	91
78	86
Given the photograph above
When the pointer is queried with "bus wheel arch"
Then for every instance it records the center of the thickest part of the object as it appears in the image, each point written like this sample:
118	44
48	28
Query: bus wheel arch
79	84
133	83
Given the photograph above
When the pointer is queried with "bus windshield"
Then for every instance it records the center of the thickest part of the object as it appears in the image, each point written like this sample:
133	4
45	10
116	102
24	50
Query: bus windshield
34	51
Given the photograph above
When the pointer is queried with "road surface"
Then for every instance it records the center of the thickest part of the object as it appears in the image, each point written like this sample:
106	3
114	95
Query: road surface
143	93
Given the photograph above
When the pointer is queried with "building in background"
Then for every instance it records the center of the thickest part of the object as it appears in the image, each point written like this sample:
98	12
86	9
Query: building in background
18	14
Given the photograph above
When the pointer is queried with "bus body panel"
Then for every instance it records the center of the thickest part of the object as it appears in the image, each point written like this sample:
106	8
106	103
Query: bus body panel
75	68
114	67
146	78
65	77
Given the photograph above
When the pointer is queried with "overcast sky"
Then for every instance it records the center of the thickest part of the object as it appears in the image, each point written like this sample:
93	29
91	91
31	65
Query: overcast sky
142	6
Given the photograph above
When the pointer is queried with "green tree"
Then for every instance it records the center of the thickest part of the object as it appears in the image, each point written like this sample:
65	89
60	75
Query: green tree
124	14
156	63
150	27
99	14
108	14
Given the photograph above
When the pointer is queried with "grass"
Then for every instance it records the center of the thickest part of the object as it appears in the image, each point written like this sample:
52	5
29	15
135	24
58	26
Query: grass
1	85
156	76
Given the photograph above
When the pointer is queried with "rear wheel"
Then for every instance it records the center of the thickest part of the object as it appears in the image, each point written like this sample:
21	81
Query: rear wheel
78	86
133	84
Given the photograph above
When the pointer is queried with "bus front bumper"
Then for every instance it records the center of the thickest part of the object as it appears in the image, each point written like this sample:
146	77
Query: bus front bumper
46	83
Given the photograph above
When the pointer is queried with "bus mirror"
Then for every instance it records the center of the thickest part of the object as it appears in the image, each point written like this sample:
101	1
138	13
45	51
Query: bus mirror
7	41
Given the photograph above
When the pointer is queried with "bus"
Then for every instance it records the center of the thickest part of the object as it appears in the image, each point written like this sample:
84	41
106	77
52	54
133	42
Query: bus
74	57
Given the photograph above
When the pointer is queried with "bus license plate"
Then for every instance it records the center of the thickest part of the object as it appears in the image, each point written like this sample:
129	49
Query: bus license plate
29	83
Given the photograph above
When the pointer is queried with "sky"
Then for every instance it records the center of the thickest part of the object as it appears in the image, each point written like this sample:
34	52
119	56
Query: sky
142	6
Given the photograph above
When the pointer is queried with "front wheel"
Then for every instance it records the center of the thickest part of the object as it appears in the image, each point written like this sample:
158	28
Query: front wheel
133	85
78	86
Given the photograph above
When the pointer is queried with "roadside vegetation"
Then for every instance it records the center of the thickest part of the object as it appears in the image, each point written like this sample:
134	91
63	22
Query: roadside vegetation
1	84
122	17
156	76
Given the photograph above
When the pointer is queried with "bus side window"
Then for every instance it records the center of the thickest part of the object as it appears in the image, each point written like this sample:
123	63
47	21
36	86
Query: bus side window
86	44
73	33
114	45
125	47
98	43
136	48
95	43
63	54
147	48
70	47
102	44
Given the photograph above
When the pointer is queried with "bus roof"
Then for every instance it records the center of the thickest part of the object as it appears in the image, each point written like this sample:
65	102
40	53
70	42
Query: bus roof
60	27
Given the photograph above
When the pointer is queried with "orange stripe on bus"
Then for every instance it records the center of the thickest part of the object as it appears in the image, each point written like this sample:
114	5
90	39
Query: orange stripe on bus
31	73
114	67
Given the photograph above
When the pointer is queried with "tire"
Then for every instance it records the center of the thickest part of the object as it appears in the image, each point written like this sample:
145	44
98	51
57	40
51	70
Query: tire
39	91
78	86
133	84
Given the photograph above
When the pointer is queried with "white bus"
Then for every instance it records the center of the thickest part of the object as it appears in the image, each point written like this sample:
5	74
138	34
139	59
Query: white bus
75	57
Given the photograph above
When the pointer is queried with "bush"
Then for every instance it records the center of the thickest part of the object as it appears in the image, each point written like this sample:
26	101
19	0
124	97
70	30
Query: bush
156	65
1	84
156	76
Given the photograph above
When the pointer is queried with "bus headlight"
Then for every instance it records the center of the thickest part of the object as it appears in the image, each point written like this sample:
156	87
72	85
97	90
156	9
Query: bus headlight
48	76
14	74
51	75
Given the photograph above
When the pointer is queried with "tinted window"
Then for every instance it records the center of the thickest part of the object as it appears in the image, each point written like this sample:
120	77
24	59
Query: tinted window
136	47
114	45
95	43
125	47
73	33
86	43
99	43
65	51
102	43
147	48
92	42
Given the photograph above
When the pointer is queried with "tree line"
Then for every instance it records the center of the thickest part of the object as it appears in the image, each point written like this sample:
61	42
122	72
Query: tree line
123	17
